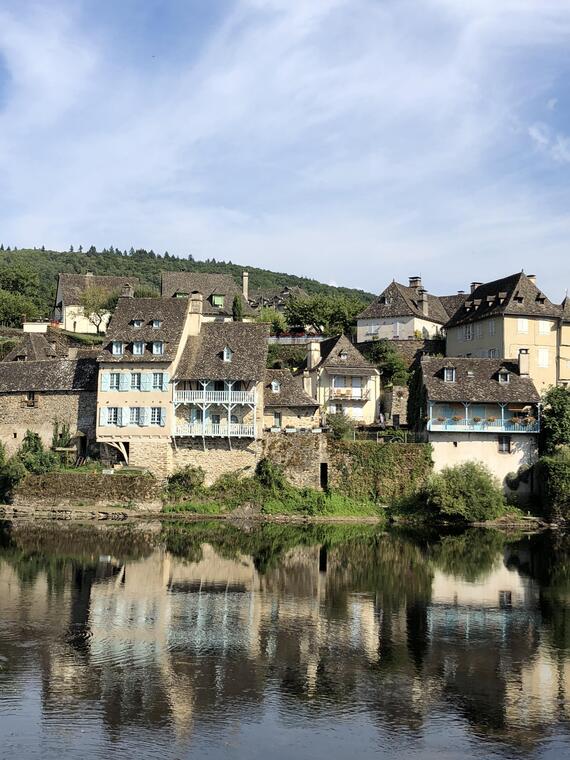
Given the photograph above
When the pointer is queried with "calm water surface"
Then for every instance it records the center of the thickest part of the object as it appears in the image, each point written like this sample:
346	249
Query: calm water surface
207	641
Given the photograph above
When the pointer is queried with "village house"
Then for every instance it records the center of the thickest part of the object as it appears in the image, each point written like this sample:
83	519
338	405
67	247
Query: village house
500	318
342	380
71	288
485	410
275	298
406	312
287	406
218	291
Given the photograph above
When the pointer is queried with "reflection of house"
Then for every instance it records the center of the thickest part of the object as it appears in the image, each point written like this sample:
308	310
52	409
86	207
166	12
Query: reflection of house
218	292
339	377
481	409
70	291
286	403
402	311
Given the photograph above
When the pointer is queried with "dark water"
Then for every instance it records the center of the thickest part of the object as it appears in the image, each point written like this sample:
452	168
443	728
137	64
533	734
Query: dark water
205	641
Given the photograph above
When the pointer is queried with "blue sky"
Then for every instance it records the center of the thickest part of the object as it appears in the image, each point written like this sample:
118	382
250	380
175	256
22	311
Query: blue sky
349	140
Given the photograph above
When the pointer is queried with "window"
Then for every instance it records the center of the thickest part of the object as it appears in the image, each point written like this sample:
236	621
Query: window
112	415
492	353
491	327
136	381
117	348
215	419
543	327
228	353
467	332
217	300
158	348
503	377
233	419
31	398
157	381
138	348
114	381
155	415
156	324
275	386
343	356
449	374
277	419
137	323
135	415
504	444
543	357
396	329
522	325
478	330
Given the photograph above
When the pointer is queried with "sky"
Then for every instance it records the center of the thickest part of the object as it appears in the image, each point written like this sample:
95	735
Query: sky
354	141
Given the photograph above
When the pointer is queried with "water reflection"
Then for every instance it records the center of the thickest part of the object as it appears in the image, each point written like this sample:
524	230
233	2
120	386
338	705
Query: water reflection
310	641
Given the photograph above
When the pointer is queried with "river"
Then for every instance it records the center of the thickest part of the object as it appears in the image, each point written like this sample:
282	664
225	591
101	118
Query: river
172	640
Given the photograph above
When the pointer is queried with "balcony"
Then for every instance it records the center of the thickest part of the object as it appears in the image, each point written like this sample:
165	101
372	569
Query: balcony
208	430
349	394
215	397
484	426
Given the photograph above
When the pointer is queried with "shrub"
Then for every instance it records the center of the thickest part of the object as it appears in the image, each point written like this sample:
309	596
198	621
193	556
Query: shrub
270	475
553	477
189	481
555	423
34	457
467	492
340	425
12	471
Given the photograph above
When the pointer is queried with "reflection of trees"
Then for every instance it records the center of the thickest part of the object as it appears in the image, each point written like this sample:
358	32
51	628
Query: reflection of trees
470	555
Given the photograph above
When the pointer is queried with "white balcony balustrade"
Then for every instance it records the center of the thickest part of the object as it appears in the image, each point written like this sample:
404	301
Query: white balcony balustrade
209	430
215	397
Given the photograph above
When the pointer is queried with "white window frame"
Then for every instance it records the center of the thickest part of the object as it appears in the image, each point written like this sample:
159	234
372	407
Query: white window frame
277	419
136	384
491	328
478	330
155	413
522	325
114	381
468	331
543	327
157	384
134	415
228	353
137	324
543	358
112	415
492	353
158	347
117	348
138	348
504	377
449	374
156	324
275	386
504	444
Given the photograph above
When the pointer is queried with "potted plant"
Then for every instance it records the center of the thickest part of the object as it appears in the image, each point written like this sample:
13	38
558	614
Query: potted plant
530	420
441	419
515	420
491	419
457	418
477	420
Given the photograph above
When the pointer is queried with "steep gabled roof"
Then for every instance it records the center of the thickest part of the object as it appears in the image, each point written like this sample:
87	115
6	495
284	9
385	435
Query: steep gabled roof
515	295
208	285
203	358
275	296
331	350
452	303
53	375
171	312
291	392
32	347
399	300
72	286
476	381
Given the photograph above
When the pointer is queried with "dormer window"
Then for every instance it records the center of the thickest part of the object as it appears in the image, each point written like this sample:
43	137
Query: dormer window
137	323
138	348
275	386
503	377
449	374
217	300
156	324
158	347
228	353
117	348
470	373
343	356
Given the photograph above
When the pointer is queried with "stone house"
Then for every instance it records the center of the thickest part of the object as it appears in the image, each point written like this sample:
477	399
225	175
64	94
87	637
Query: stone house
287	406
68	310
485	410
500	318
218	291
34	395
341	379
275	298
406	312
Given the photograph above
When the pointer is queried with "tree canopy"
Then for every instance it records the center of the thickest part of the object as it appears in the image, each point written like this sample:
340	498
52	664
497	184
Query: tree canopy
324	313
555	423
97	303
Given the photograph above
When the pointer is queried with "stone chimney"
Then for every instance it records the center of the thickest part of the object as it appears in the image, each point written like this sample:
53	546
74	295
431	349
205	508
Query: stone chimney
524	362
128	291
424	305
532	278
195	311
314	354
415	282
245	285
307	386
475	285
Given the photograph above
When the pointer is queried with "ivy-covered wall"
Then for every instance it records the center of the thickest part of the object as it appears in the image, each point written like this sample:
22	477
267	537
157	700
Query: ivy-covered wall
382	473
553	479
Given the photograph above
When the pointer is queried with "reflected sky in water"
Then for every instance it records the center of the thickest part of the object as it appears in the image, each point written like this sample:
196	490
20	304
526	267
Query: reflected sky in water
205	640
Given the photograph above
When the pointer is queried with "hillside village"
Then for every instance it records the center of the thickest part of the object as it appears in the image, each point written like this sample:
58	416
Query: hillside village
200	376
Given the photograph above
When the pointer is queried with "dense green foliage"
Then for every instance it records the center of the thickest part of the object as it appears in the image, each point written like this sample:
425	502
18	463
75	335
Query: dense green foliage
389	361
14	307
326	313
340	425
237	308
555	422
97	303
553	478
467	493
285	357
33	273
274	319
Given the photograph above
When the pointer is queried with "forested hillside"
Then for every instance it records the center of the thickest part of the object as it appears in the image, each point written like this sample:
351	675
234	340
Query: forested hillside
29	277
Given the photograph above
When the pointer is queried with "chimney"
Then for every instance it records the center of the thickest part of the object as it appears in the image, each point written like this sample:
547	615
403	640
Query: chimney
128	291
424	306
88	274
307	386
475	285
460	292
194	313
524	362
532	278
245	284
314	354
415	282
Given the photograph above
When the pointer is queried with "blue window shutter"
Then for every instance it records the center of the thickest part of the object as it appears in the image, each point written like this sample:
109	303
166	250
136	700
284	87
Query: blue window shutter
146	381
123	416
103	417
145	416
165	381
124	381
105	381
162	416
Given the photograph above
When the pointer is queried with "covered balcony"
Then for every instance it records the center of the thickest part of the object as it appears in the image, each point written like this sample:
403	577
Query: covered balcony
213	430
204	396
484	418
215	409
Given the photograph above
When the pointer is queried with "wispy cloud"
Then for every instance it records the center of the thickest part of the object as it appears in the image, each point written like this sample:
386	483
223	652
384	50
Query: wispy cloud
349	140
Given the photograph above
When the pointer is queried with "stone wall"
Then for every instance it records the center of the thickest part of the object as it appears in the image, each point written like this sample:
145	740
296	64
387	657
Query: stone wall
300	455
294	418
76	408
217	458
396	404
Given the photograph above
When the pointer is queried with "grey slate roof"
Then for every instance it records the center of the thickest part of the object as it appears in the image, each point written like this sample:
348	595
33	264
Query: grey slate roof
32	347
72	286
208	285
452	303
275	297
203	355
170	311
399	300
514	295
53	375
331	350
291	393
482	386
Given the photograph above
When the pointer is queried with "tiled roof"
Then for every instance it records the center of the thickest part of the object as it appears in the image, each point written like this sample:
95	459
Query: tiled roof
53	375
291	392
203	355
32	347
331	350
452	303
399	300
72	286
275	296
171	312
476	381
514	295
208	285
